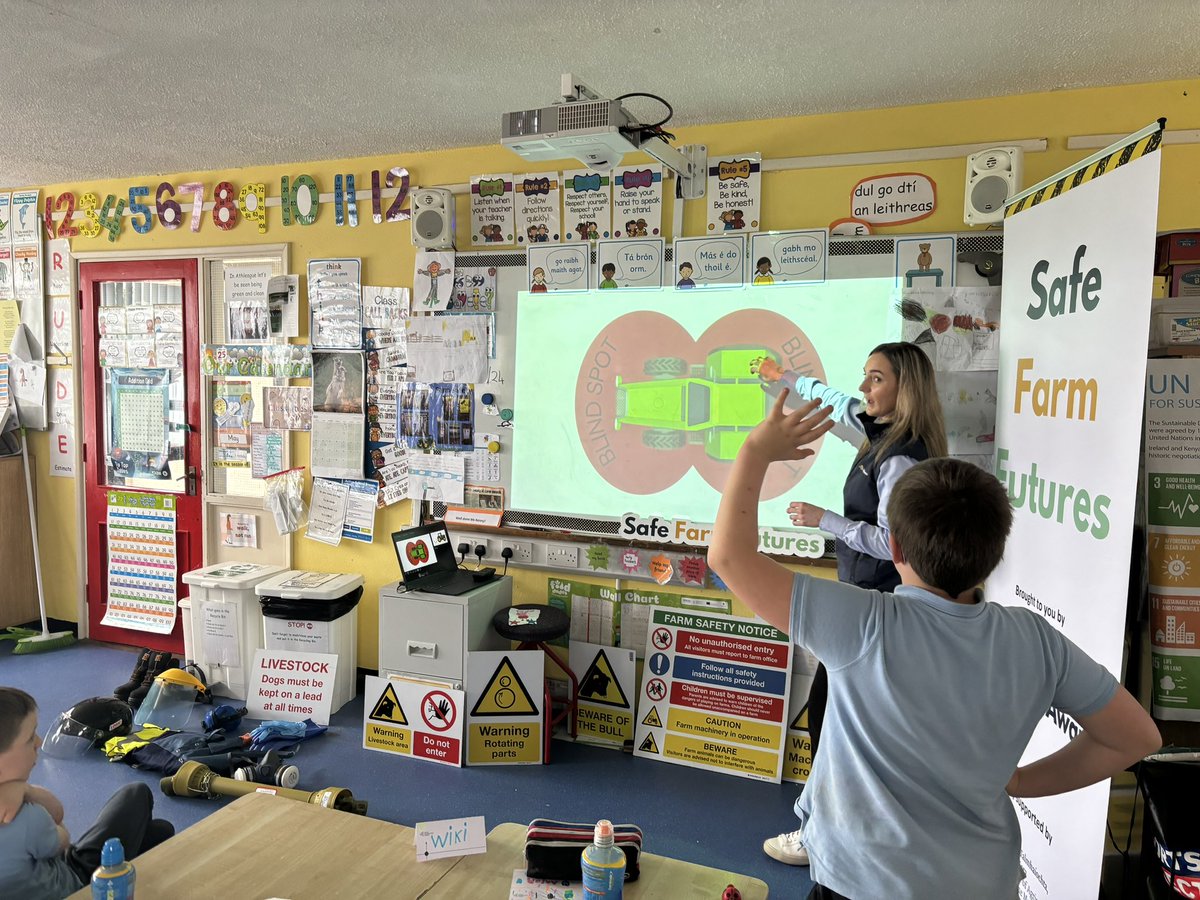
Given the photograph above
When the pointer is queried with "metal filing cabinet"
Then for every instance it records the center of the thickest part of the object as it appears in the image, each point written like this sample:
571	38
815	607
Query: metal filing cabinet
427	635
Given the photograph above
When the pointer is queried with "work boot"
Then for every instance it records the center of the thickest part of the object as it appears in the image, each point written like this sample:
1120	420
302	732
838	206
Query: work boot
139	672
160	661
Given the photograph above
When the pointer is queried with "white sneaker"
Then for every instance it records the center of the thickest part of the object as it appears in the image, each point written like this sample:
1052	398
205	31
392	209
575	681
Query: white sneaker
787	848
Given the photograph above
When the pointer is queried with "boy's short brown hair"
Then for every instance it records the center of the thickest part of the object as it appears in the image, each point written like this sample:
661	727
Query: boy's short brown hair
15	707
951	519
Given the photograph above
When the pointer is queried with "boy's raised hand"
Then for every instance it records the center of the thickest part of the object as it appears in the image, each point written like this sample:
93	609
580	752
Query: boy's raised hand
782	435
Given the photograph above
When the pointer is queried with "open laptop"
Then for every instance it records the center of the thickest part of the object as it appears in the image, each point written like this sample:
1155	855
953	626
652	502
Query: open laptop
428	562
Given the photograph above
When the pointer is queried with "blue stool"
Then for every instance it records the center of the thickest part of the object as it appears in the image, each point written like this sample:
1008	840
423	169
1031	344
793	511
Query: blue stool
552	624
935	274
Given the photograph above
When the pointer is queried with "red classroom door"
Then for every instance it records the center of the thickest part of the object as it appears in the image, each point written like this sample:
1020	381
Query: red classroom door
141	415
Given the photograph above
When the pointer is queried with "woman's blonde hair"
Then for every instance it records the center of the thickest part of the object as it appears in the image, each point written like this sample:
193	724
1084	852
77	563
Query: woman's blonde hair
918	413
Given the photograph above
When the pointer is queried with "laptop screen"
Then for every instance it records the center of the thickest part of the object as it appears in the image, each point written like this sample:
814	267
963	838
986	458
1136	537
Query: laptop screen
424	552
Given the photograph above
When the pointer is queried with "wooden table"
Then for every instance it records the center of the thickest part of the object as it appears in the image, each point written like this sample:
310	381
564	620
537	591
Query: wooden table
490	874
261	846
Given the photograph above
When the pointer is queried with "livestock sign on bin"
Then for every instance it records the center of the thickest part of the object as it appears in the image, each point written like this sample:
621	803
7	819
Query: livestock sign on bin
291	687
413	718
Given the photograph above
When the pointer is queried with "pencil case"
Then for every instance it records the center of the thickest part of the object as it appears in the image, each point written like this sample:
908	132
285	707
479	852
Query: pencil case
554	849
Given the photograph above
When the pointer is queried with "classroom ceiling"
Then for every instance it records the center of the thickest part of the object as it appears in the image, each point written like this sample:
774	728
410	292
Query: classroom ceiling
131	87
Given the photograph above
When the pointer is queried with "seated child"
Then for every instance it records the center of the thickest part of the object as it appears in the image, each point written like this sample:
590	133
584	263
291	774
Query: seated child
933	692
37	859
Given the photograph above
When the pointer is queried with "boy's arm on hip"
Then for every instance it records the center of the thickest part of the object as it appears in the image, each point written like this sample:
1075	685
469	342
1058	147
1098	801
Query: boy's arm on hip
1113	738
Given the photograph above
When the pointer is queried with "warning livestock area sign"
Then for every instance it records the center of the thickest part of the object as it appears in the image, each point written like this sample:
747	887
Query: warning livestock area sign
715	693
607	677
413	718
504	703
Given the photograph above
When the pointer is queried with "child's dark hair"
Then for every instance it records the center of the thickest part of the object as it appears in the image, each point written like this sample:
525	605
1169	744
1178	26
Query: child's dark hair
951	519
608	269
15	707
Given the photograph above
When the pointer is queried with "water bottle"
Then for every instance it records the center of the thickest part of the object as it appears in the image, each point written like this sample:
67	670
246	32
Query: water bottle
603	865
115	877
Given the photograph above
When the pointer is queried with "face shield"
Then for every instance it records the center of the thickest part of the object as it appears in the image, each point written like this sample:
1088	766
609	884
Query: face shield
170	700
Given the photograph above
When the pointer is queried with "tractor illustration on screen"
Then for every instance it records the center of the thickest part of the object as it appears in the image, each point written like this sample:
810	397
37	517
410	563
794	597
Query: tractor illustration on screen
715	404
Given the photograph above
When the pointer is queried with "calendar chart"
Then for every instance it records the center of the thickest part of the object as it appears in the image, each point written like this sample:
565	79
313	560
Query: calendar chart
141	562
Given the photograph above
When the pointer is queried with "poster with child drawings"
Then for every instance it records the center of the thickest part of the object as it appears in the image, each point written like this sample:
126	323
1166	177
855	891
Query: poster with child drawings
734	193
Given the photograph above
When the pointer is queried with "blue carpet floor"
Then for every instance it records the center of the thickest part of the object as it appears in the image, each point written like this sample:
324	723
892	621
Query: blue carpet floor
690	814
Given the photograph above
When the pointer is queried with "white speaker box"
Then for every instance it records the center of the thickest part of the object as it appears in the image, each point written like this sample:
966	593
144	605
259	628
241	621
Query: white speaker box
992	177
433	218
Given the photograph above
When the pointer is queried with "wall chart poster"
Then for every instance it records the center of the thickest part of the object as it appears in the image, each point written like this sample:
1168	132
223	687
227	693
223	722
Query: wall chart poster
587	205
1173	532
138	408
537	198
714	694
734	193
637	201
492	209
141	562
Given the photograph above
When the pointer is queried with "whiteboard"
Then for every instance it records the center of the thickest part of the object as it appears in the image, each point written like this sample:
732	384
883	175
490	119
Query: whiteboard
871	257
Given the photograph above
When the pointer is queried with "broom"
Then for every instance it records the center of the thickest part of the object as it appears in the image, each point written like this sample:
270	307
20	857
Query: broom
47	640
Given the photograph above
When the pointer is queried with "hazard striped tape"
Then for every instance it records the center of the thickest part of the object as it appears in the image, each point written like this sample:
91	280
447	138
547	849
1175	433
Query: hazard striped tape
1123	152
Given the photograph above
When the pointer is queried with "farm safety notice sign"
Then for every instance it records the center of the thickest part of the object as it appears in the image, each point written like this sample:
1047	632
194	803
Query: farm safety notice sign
715	693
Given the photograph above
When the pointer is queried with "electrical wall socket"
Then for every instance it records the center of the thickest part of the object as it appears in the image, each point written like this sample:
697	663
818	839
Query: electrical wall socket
522	552
565	556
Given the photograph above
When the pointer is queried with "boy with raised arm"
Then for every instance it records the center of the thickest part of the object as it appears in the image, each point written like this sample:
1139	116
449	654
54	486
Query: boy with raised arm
933	692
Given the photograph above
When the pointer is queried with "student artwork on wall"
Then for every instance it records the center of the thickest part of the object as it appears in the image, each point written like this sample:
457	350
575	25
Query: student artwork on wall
491	209
448	348
337	382
538	197
958	328
925	261
709	261
637	201
233	410
587	205
335	303
563	268
474	286
734	193
633	263
433	280
246	313
781	257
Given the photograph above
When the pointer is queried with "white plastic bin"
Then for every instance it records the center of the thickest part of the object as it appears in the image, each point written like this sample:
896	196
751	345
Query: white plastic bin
296	616
222	623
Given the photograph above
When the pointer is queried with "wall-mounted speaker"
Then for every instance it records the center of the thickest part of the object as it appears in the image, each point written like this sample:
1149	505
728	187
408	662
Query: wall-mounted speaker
992	177
433	218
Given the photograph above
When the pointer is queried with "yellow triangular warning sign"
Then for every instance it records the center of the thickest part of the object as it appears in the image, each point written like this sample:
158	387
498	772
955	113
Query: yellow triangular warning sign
505	694
599	684
800	723
648	745
387	708
652	718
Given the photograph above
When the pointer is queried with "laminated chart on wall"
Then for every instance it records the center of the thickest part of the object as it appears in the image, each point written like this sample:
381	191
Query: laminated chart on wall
607	682
413	718
141	562
504	704
718	686
139	420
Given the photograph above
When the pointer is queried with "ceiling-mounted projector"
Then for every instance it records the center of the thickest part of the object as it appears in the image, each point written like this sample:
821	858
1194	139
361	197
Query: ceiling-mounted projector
597	132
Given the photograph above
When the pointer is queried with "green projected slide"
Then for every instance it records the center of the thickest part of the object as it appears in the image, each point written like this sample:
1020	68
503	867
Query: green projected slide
637	401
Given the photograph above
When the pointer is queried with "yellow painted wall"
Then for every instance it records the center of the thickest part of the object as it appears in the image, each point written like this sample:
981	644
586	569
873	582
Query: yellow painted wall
793	199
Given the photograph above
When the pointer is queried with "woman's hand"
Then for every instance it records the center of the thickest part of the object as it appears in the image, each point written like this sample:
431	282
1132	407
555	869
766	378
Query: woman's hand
805	514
